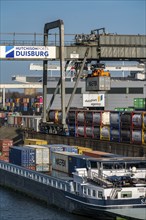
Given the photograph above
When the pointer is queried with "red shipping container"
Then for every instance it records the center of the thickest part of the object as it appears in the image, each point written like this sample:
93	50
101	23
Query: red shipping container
96	154
5	144
3	158
5	153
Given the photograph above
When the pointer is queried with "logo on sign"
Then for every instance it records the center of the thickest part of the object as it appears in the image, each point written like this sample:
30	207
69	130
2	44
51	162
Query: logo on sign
9	51
100	98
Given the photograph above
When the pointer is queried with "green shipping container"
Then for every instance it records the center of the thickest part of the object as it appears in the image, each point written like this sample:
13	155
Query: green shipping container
120	109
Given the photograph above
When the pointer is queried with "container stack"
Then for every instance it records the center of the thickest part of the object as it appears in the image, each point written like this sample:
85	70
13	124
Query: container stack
42	158
23	156
5	145
67	162
24	104
115	126
35	142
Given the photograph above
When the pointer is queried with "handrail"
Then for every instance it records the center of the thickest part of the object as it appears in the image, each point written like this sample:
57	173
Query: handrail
35	176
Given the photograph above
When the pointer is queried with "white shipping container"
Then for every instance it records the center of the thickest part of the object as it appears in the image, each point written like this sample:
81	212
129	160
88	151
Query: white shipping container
42	154
60	161
42	168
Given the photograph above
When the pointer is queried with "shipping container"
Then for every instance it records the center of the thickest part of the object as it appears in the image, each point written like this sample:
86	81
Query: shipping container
2	114
42	167
60	161
60	148
77	161
35	142
80	149
22	156
3	158
5	144
98	154
139	103
42	154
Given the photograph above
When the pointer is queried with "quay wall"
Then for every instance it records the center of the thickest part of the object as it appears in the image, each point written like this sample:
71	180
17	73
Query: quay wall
130	150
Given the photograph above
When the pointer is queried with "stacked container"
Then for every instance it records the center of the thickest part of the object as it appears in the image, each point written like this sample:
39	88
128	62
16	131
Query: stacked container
115	126
67	162
98	154
23	156
34	142
42	158
5	145
81	150
60	148
105	126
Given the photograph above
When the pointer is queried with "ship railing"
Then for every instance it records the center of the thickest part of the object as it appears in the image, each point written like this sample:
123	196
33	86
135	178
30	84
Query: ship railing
35	176
101	179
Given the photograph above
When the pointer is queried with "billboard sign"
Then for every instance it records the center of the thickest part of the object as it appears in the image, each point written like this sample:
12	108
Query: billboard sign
93	100
27	52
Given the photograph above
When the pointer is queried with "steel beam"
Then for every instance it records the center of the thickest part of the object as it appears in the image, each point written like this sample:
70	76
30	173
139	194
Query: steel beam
56	24
78	78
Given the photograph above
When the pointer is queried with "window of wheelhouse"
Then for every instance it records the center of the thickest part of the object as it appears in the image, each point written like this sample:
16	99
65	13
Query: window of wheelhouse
126	194
84	190
100	194
94	193
107	166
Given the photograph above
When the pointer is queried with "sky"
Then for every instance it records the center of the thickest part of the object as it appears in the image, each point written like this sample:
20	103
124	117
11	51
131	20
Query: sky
79	16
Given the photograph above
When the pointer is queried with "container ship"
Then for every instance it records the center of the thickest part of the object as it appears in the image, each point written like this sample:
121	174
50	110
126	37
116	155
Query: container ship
104	187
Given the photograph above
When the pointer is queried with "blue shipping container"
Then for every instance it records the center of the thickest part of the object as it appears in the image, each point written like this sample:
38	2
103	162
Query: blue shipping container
22	156
77	161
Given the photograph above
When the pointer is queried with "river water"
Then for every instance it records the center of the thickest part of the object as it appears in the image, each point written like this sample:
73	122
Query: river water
15	206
